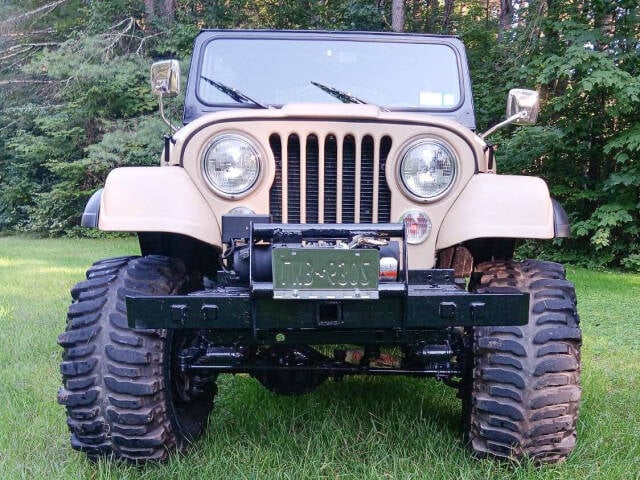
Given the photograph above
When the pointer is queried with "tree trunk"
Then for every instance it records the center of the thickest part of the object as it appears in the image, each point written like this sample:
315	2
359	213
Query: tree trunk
165	9
397	15
446	16
150	9
170	9
506	17
416	17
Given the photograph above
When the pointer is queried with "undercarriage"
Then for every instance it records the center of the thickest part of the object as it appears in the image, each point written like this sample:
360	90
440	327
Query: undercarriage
298	369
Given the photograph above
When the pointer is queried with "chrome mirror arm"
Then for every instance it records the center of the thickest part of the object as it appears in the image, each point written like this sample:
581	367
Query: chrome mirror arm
508	121
164	117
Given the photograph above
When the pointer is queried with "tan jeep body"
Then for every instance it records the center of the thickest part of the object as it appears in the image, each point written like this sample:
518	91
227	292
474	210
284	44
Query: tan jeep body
175	197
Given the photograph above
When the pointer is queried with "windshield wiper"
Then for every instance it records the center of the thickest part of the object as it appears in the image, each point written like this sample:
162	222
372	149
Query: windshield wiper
233	93
344	97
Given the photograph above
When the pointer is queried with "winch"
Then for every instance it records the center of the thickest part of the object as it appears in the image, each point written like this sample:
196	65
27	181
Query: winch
327	258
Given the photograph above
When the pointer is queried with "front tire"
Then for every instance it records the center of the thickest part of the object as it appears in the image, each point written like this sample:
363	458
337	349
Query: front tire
120	384
522	391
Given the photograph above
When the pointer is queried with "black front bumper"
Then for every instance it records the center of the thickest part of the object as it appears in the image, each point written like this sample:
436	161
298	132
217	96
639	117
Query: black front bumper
408	310
398	316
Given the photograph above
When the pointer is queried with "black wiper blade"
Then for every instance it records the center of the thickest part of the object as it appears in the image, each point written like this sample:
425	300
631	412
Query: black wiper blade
344	97
233	93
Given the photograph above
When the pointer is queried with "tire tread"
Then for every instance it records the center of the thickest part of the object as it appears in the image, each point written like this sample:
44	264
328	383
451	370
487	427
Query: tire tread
114	392
524	392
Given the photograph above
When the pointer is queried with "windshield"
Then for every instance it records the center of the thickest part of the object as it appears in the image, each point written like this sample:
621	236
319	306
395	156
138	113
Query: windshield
279	71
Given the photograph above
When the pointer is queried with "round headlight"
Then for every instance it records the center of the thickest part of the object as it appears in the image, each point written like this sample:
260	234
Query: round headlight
231	164
428	169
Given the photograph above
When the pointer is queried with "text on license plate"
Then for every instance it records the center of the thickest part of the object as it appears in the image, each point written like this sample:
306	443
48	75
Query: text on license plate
325	273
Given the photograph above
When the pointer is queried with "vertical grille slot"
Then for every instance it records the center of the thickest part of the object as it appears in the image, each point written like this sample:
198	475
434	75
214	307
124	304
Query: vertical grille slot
293	179
384	194
275	194
329	179
312	179
348	179
366	180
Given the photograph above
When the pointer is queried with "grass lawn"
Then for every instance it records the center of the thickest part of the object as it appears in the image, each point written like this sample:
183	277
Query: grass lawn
357	429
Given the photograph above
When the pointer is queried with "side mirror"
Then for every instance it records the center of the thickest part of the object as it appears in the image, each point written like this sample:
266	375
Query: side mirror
525	103
165	78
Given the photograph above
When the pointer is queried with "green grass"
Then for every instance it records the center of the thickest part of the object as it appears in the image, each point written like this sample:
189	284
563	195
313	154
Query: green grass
357	429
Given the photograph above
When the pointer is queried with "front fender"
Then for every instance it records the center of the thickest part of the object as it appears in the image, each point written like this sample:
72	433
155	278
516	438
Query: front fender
503	206
156	199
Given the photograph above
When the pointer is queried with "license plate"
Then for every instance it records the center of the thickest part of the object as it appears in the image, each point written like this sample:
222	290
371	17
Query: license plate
325	273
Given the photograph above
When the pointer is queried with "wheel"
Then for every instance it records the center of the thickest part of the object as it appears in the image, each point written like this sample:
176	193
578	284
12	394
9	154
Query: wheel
122	390
522	389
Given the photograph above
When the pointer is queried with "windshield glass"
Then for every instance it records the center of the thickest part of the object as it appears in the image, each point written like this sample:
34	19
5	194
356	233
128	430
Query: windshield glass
278	71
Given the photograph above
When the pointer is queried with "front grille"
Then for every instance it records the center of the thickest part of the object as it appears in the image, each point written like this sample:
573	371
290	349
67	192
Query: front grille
330	179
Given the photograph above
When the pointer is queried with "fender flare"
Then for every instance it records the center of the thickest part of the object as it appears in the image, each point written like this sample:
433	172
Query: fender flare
92	210
561	224
503	206
152	199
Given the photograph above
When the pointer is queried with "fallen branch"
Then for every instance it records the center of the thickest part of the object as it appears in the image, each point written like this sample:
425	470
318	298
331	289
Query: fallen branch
144	39
26	82
8	125
32	107
126	20
15	50
130	23
46	31
41	44
14	54
43	10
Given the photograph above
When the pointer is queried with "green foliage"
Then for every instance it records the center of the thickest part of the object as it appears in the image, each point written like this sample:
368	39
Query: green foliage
584	62
632	262
126	143
276	14
104	117
103	15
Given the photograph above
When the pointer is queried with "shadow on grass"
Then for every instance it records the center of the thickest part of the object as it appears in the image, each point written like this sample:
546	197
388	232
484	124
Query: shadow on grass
360	415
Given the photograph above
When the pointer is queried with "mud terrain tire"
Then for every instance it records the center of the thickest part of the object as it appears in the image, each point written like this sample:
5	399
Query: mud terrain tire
523	392
118	382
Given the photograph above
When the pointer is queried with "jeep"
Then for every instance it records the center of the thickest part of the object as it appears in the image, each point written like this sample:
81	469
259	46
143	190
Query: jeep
327	209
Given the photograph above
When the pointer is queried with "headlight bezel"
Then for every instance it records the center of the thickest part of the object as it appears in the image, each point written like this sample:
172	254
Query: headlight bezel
415	143
257	152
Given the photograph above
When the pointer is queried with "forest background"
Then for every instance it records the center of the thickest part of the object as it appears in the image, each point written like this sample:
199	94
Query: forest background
75	100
